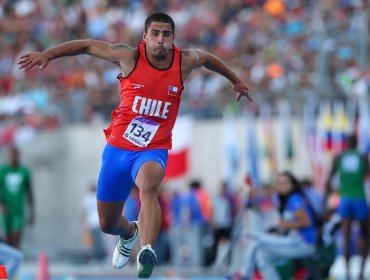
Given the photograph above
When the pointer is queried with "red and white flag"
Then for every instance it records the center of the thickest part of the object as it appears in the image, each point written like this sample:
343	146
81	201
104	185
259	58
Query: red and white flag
178	157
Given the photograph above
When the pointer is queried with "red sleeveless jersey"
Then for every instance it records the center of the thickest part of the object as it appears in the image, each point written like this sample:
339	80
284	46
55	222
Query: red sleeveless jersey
149	104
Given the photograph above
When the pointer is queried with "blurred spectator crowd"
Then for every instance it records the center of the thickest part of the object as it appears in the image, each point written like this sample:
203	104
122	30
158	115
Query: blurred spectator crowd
292	49
212	229
194	231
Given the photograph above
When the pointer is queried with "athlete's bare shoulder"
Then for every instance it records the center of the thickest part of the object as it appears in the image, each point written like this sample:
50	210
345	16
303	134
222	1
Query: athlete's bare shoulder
190	60
124	51
127	56
121	46
189	56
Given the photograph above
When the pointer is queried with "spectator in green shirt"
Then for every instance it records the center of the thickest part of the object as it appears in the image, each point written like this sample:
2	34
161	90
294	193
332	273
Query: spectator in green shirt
15	192
352	168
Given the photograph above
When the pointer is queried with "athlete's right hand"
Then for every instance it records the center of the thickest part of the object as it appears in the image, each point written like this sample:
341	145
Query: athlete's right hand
30	60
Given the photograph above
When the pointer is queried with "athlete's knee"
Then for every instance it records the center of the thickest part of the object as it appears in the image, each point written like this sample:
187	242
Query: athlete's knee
150	186
108	226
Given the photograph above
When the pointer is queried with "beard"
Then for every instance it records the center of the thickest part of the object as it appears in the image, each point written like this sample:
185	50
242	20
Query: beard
161	55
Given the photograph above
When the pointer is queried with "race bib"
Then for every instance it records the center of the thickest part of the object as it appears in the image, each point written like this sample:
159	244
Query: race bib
141	131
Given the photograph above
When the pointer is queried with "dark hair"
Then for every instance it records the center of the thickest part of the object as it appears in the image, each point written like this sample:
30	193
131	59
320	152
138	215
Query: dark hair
352	141
283	199
159	17
195	184
297	188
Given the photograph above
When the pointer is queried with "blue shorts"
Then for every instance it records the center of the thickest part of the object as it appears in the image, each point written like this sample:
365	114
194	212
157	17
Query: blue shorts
119	169
353	208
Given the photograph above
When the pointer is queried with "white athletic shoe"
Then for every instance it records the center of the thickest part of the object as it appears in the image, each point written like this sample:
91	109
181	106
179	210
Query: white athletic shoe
121	254
146	261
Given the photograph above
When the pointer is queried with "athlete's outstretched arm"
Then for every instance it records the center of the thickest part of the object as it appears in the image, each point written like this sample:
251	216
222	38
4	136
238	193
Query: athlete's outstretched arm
95	48
199	58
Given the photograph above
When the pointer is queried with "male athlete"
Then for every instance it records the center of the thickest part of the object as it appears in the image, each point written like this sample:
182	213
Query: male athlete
352	168
139	135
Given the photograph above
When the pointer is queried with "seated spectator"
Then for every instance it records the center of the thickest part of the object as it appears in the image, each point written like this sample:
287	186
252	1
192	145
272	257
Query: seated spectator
293	237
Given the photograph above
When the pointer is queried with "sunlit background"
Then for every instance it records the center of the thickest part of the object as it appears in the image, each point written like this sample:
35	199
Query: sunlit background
307	66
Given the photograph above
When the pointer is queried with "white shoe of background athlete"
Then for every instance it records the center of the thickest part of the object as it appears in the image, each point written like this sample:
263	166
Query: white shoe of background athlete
121	254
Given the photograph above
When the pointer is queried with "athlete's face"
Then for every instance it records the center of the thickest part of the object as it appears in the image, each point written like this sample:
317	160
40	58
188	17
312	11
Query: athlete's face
283	184
159	39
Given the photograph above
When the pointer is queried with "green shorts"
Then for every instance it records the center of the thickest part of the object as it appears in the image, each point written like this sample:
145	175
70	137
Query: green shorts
11	223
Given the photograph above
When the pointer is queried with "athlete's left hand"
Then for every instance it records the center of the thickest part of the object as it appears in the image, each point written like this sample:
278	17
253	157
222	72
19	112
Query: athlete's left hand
242	90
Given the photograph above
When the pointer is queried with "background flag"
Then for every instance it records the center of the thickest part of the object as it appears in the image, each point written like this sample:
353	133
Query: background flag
178	157
340	128
268	140
230	146
363	129
252	151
